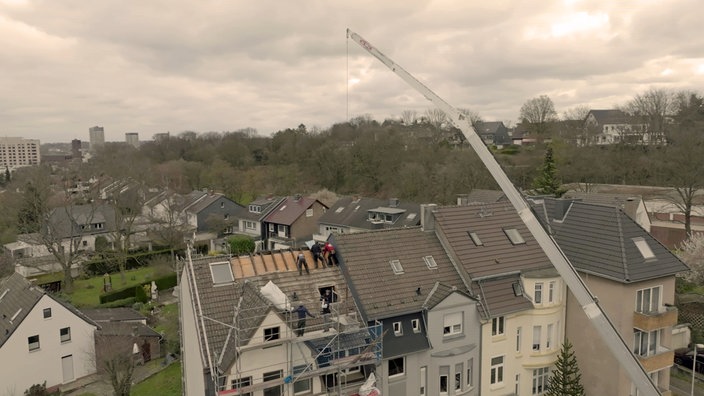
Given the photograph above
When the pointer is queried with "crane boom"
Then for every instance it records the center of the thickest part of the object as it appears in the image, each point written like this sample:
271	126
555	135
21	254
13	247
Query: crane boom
579	289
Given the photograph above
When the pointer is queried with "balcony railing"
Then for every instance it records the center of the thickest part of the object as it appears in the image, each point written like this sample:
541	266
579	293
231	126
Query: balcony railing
648	321
658	361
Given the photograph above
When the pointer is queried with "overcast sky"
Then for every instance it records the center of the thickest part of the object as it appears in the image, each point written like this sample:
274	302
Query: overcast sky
223	65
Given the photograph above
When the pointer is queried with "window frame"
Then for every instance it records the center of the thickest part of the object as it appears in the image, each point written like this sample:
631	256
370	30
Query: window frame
241	382
514	236
551	291
399	370
219	265
537	335
65	337
398	328
541	377
538	293
307	381
496	372
498	326
46	313
274	333
415	325
653	299
30	343
452	324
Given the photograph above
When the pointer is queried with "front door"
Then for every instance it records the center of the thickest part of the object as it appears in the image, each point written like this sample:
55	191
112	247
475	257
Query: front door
67	368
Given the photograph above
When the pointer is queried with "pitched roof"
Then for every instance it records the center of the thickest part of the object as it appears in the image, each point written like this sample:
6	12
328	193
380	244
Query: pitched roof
604	241
497	296
478	195
119	314
487	127
354	212
438	293
17	299
366	257
497	254
610	116
66	221
288	211
266	205
127	329
629	203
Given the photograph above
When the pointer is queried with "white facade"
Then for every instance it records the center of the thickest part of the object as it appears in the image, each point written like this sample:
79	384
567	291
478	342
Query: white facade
16	152
55	357
132	138
519	350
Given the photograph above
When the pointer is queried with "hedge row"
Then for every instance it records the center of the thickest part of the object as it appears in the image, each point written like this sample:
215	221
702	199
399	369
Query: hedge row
163	283
103	264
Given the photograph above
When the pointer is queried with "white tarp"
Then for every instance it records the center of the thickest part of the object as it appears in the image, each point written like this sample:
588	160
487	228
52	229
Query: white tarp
276	296
368	388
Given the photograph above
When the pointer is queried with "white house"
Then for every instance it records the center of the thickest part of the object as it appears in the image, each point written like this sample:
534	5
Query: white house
41	338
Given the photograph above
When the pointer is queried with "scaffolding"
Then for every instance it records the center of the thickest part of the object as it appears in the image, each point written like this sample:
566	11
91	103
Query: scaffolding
331	355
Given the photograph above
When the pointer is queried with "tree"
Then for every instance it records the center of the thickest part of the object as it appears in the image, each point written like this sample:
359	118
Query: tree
547	182
436	117
692	253
115	360
565	379
653	106
538	113
409	117
127	202
577	113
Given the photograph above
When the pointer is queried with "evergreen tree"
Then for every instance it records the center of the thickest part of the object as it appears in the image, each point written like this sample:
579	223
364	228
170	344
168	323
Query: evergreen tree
8	175
565	379
547	183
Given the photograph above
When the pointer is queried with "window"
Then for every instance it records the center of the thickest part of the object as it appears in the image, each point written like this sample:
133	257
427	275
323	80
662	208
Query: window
645	343
226	216
430	262
470	370
538	296
497	370
340	209
398	330
275	390
497	326
65	334
514	236
221	273
33	342
47	313
301	386
423	381
458	377
548	342
396	366
98	226
643	248
452	324
250	225
396	266
84	243
475	238
517	386
518	339
540	380
309	212
443	384
648	300
551	292
415	324
282	229
272	333
241	383
536	338
222	204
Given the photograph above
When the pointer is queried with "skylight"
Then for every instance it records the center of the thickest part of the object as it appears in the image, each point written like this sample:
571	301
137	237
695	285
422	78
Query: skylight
643	248
396	266
282	208
221	273
4	293
514	236
475	238
340	209
411	216
430	262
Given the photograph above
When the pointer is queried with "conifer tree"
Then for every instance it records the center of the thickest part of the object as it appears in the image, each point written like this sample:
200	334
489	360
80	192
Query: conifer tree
547	182
565	379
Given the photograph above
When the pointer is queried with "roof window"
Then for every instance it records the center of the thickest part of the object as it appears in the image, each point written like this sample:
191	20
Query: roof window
643	248
514	236
396	266
475	238
221	273
430	262
340	209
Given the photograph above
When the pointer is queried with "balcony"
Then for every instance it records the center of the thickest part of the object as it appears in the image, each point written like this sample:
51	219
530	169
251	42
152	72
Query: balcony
648	321
658	361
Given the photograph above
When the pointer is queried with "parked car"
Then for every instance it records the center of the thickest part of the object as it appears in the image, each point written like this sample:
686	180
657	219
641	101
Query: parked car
685	357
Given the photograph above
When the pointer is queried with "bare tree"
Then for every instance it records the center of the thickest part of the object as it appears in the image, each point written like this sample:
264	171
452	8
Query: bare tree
577	113
654	106
436	117
114	359
409	117
473	116
170	223
538	113
692	253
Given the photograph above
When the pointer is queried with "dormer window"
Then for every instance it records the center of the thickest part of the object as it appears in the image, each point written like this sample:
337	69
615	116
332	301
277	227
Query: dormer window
255	208
98	226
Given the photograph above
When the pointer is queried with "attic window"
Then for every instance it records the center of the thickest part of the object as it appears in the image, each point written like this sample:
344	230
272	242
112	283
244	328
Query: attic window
517	289
643	248
4	293
340	209
255	208
430	262
15	315
475	238
282	208
396	266
221	273
514	236
411	216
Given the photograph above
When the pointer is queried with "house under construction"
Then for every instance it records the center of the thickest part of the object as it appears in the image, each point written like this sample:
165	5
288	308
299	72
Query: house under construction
240	336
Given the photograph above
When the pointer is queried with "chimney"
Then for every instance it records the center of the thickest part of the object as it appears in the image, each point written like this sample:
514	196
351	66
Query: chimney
427	218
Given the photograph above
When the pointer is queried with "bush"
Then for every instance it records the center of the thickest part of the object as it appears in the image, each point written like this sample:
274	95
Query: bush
166	282
125	302
140	294
162	283
241	244
117	295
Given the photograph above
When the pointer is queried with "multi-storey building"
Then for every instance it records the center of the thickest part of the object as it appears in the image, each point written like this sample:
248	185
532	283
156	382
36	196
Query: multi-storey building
16	152
96	135
132	138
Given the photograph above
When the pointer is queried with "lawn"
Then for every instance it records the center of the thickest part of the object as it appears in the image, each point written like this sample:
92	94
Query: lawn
165	382
86	292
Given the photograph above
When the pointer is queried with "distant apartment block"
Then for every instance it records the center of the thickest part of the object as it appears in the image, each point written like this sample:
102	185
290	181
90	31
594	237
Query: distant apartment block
97	137
132	138
160	137
16	152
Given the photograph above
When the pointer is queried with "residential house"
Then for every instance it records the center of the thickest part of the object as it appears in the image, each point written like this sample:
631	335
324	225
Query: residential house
357	214
292	222
122	332
632	275
478	195
632	205
404	279
613	126
521	296
70	230
250	222
493	133
668	219
238	328
41	338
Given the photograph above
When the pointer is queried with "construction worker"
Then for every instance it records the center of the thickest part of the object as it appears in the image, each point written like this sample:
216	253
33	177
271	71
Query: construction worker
302	312
300	262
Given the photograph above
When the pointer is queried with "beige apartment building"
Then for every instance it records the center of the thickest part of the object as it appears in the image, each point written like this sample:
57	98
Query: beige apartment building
16	152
